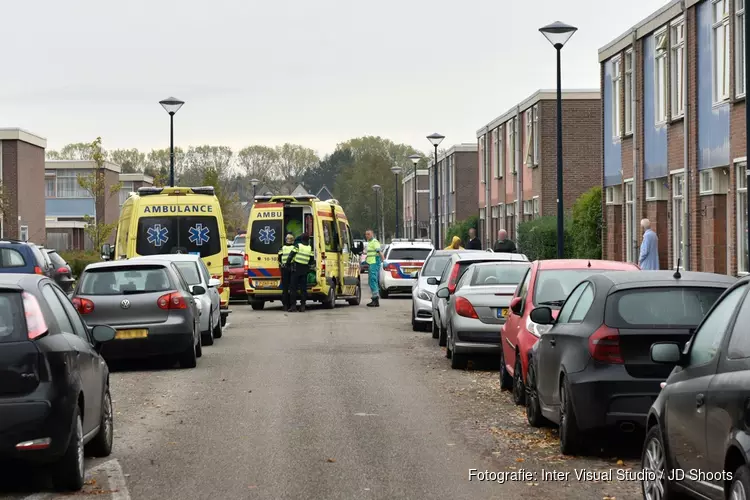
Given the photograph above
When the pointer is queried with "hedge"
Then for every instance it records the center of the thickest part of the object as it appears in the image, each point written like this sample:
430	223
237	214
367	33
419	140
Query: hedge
78	260
461	229
587	221
537	238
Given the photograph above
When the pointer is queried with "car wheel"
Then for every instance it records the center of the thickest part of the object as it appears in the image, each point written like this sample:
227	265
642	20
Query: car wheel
569	433
257	305
519	389
101	445
654	484
383	293
198	349
357	296
458	361
443	339
448	347
533	408
506	381
414	325
70	470
330	301
223	320
218	329
189	358
740	488
207	338
435	330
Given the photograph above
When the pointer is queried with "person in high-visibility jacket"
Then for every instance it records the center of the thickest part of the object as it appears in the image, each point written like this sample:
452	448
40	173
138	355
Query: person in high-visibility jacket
374	259
286	270
301	258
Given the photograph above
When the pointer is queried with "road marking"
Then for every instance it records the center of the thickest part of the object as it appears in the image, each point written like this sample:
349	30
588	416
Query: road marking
365	414
116	487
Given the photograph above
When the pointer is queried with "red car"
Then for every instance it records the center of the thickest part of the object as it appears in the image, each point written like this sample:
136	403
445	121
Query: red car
547	283
237	275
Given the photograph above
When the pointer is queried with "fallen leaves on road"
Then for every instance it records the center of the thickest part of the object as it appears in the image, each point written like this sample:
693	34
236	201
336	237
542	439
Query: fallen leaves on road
331	460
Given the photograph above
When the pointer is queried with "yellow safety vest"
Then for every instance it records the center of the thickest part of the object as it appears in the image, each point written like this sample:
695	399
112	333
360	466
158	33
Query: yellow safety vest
284	252
303	254
373	247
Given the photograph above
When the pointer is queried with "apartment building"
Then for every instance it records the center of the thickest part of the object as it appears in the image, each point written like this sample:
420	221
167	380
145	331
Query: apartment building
517	159
130	183
416	222
674	147
457	186
21	176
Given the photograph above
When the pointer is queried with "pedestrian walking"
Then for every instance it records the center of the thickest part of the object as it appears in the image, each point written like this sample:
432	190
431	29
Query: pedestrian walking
286	270
374	259
474	243
503	243
301	258
649	257
455	244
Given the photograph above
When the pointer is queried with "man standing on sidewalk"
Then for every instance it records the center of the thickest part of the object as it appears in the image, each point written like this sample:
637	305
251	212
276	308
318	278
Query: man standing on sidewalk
648	260
374	260
474	243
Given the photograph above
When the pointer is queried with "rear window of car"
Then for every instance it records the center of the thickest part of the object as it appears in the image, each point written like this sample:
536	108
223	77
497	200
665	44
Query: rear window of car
10	257
664	307
190	272
499	274
435	265
56	259
267	236
239	241
408	253
554	285
236	260
11	312
125	280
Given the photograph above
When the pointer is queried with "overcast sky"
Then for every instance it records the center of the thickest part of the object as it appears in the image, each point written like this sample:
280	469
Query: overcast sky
310	72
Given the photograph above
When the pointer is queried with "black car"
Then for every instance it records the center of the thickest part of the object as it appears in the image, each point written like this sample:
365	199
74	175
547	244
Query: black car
592	370
698	438
55	403
61	271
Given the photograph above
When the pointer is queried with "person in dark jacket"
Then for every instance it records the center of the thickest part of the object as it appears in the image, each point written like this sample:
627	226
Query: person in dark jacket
473	243
503	244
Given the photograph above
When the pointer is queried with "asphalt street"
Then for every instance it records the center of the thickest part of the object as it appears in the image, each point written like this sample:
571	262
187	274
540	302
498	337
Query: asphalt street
329	404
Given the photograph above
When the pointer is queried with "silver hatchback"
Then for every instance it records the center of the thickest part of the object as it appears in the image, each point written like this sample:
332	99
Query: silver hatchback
149	304
478	308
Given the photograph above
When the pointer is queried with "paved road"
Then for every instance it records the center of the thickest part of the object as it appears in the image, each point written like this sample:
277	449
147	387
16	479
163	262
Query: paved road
339	404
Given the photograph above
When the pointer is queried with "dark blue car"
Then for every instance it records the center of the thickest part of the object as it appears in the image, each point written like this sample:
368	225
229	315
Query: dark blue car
19	257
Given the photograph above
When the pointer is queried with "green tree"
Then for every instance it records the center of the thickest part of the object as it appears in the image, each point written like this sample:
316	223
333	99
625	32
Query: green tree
76	151
327	171
157	164
95	183
587	223
293	161
258	162
461	229
537	238
130	160
231	209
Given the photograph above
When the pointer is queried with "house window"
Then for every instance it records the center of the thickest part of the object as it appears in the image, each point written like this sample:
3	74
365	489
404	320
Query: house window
677	63
511	126
529	119
481	214
678	219
616	86
68	186
706	182
720	49
628	92
453	175
536	206
535	134
509	209
610	195
742	257
483	155
739	35
125	190
651	189
629	222
660	76
528	207
494	153
49	185
24	236
495	212
500	152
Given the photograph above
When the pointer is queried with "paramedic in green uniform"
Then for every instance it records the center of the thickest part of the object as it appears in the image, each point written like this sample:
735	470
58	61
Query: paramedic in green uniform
286	270
374	260
302	258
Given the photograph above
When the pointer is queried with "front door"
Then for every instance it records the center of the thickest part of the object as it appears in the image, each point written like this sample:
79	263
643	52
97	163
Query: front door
349	260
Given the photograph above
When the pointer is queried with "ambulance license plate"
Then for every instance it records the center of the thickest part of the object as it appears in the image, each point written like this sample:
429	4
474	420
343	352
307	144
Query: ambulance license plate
267	284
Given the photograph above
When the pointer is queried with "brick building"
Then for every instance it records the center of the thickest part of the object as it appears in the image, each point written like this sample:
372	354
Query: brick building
22	179
674	137
422	198
517	159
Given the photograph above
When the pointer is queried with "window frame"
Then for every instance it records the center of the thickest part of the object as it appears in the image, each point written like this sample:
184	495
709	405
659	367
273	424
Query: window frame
536	206
483	160
23	229
720	75
740	79
535	133
125	191
629	221
494	157
741	208
628	89
661	89
678	198
706	182
511	126
677	67
616	95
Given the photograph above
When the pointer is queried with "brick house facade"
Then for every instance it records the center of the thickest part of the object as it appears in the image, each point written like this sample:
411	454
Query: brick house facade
457	186
517	159
663	82
422	195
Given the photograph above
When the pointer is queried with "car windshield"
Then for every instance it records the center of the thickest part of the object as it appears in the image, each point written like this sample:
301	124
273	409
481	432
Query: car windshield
190	272
124	280
660	307
197	235
236	260
499	274
435	265
553	286
408	253
11	312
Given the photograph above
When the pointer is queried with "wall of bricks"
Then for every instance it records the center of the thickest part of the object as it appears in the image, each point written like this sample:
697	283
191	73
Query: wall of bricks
23	184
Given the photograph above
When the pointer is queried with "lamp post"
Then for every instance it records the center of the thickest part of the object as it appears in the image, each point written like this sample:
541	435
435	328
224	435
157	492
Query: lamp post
415	218
558	34
747	129
396	170
376	188
435	139
171	105
255	183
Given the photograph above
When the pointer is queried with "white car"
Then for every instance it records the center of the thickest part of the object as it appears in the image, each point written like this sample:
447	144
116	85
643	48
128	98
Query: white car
403	260
423	292
194	271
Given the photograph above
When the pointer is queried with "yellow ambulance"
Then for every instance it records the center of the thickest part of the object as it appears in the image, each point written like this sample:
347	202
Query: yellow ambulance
165	220
337	261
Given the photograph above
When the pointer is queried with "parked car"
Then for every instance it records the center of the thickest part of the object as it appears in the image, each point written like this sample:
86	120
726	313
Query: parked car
592	369
237	274
478	308
55	404
547	283
423	292
20	257
698	423
238	243
403	259
457	266
195	272
150	305
61	271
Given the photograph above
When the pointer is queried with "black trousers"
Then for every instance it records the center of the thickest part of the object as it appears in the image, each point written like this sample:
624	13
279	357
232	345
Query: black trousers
299	286
286	282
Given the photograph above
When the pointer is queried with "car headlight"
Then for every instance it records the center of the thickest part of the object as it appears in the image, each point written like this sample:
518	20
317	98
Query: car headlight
425	295
537	329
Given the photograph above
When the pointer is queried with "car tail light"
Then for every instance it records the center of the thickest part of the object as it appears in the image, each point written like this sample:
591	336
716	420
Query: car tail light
173	300
465	309
226	267
323	264
84	306
35	324
390	267
247	263
38	270
62	270
604	345
453	279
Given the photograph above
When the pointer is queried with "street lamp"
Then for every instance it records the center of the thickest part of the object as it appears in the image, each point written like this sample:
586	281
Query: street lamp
558	34
255	183
396	170
415	160
436	139
171	105
376	188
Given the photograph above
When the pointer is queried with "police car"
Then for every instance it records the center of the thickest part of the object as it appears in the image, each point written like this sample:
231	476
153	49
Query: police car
404	258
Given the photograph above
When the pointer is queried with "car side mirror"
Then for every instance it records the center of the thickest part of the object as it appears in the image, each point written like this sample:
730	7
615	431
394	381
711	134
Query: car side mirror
197	290
443	293
433	281
542	316
103	333
666	353
106	251
515	306
214	283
